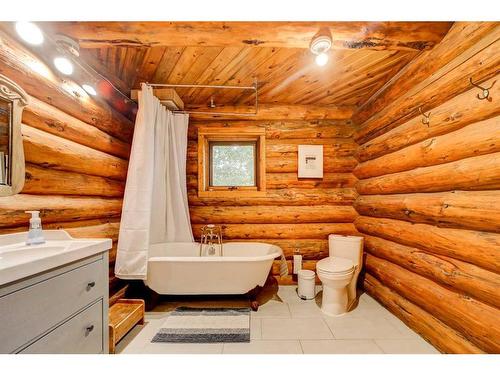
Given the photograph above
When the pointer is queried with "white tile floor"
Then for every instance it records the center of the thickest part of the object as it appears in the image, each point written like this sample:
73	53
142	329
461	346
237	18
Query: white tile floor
289	325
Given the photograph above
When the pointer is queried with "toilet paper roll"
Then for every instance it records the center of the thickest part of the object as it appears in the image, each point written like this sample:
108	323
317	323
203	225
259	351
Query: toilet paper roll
297	263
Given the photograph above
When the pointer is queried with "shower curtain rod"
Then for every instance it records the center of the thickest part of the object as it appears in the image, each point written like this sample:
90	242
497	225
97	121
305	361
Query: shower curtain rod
254	88
201	86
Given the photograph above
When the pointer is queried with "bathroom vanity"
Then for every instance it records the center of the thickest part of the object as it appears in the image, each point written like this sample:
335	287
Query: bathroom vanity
53	296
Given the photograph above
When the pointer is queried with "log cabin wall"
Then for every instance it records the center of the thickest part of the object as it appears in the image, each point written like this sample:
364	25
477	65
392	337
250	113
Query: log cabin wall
295	213
76	152
430	193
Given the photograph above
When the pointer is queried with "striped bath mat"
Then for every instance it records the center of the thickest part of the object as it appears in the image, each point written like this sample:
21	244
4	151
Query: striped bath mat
205	325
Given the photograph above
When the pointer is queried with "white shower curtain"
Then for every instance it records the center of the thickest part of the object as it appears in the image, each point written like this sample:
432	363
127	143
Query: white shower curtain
155	206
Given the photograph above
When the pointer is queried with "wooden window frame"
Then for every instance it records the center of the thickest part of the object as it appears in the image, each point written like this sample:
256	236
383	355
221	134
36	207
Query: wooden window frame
206	136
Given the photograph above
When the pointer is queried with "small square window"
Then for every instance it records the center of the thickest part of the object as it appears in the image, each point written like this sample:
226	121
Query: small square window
230	162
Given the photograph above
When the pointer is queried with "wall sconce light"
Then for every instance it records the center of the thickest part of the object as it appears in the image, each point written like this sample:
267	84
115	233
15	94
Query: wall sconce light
63	65
29	32
90	89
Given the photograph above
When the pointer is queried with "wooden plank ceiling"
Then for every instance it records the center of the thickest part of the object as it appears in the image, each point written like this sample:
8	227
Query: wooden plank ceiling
360	63
285	75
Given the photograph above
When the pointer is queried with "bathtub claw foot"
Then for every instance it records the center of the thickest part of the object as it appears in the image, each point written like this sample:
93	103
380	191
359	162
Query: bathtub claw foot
252	296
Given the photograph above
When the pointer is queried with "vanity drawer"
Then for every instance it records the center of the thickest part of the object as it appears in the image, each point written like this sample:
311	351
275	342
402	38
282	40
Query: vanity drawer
82	334
29	312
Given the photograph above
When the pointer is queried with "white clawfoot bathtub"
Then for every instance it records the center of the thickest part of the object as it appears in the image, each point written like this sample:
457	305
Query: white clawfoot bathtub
177	268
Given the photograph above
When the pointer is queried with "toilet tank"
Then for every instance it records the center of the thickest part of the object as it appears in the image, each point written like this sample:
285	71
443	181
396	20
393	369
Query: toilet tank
349	247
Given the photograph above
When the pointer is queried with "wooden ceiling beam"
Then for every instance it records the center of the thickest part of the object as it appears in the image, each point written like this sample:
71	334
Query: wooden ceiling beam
269	111
409	36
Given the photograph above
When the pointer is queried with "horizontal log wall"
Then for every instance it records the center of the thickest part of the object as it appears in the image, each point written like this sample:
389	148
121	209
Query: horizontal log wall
429	194
295	213
473	49
76	152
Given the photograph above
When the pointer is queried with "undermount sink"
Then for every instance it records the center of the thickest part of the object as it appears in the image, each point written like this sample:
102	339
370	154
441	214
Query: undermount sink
18	260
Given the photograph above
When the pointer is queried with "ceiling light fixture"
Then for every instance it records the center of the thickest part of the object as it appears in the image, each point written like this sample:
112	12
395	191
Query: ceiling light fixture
320	45
63	65
322	59
90	89
29	32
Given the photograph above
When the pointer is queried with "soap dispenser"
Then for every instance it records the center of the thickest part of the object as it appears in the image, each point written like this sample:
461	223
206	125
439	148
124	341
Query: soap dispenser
35	234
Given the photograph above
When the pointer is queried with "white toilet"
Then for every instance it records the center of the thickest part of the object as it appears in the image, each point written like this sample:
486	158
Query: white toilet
339	273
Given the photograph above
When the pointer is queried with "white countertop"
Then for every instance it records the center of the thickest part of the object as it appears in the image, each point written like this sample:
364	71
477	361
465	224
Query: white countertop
18	260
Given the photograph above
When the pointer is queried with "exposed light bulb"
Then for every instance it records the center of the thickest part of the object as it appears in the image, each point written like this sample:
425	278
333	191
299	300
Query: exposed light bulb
29	32
63	65
322	59
90	90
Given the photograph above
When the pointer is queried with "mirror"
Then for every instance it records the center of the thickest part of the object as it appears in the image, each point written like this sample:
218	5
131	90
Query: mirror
5	111
12	101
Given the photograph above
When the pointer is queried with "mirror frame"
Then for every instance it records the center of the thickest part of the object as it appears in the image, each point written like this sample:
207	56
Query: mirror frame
10	91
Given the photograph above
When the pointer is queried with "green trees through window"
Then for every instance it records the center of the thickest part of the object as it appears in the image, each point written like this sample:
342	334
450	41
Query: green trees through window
232	163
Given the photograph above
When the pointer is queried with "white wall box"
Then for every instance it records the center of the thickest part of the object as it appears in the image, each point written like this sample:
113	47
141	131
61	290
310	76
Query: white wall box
310	163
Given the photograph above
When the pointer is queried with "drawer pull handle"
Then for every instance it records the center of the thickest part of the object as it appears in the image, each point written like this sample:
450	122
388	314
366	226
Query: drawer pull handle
89	329
90	285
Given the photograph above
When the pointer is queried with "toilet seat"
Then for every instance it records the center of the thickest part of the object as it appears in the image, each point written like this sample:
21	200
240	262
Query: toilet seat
335	266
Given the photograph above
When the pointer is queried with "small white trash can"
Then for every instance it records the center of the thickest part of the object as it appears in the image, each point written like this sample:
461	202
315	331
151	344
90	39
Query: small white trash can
307	284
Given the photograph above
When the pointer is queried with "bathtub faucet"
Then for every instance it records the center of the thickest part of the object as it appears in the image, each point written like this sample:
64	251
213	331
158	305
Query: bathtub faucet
211	236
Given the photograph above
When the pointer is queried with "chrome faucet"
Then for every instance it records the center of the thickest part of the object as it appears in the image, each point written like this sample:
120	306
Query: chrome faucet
211	236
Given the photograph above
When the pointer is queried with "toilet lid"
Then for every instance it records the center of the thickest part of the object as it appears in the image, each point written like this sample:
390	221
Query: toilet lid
335	265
